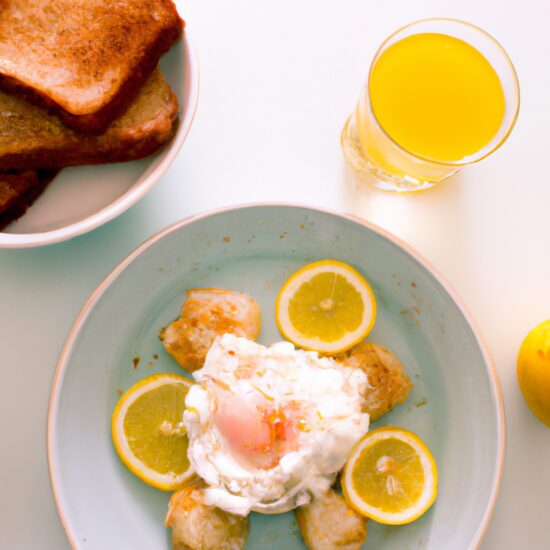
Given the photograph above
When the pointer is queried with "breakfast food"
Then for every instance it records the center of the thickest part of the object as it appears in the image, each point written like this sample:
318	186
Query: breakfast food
326	306
18	190
389	384
32	138
206	314
198	526
148	432
390	476
327	523
79	85
533	371
85	60
270	427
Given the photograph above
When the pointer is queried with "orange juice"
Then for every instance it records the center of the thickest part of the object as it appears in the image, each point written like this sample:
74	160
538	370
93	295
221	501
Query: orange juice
436	96
441	94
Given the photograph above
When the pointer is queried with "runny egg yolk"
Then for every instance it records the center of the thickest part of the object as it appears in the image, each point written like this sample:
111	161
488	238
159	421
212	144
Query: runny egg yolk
259	433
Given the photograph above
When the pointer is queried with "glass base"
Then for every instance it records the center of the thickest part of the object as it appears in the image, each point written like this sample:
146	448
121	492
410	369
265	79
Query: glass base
372	174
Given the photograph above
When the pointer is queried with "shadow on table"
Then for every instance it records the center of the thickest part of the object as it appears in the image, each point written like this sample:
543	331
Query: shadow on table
435	222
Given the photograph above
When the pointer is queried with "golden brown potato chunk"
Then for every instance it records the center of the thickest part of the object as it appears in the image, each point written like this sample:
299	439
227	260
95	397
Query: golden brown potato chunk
196	526
206	314
389	384
327	523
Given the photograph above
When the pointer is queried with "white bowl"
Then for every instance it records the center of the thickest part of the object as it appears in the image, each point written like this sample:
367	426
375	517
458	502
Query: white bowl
83	198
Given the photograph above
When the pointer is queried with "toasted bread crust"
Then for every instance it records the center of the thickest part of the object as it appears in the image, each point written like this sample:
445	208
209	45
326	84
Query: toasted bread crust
389	384
30	138
98	122
124	150
327	523
19	190
206	314
108	97
197	526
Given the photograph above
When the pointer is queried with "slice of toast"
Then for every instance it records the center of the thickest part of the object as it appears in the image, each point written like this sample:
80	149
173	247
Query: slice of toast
86	60
18	190
30	138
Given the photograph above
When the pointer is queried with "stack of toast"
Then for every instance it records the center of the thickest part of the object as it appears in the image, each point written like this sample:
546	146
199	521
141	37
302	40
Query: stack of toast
79	84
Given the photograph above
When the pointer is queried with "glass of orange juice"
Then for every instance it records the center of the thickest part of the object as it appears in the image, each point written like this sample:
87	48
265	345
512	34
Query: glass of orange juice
440	94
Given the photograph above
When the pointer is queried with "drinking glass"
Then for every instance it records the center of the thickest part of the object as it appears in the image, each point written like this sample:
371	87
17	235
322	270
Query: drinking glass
392	166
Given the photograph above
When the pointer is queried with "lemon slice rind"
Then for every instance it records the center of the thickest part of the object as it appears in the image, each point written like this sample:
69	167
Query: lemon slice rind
305	274
166	482
429	467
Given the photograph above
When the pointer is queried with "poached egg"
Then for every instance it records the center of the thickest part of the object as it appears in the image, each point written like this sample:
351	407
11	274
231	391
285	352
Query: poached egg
270	427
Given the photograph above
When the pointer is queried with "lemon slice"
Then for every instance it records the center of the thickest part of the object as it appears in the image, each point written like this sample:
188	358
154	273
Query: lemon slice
390	476
326	306
148	433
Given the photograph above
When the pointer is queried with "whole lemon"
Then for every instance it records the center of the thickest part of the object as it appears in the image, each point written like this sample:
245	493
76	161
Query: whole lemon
533	371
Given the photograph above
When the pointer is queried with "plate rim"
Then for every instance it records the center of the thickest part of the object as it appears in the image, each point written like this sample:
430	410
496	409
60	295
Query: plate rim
57	382
133	194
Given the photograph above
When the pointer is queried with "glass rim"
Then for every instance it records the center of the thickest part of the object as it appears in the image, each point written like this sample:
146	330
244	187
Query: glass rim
482	153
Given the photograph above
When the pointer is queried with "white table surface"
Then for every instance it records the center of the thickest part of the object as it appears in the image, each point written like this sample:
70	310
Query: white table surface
278	79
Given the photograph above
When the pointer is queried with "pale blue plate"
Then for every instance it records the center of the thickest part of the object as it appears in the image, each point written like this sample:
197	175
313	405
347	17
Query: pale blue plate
456	405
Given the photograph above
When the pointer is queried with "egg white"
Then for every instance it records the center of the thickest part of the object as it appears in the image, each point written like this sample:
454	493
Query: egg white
329	397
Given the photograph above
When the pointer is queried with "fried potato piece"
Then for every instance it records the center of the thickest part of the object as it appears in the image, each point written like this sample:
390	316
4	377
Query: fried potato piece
389	384
197	526
206	314
327	523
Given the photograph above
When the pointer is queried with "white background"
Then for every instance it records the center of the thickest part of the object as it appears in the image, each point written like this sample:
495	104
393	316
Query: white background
279	79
